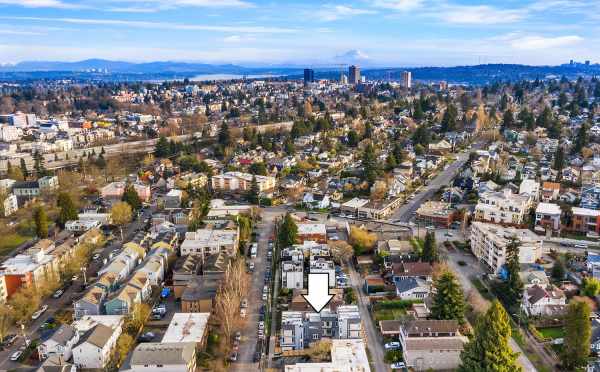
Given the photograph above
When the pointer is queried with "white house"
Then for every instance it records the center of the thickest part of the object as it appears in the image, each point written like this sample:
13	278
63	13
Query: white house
60	344
547	301
94	348
10	205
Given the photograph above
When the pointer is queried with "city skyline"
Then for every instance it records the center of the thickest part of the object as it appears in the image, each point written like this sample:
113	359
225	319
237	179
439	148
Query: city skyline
255	32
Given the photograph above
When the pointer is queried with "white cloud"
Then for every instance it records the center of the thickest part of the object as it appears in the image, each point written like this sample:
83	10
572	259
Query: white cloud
398	5
336	12
172	4
160	25
480	15
20	33
540	42
39	3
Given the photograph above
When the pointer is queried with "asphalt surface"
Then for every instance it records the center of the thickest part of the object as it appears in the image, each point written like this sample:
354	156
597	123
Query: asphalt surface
72	293
444	178
373	340
250	338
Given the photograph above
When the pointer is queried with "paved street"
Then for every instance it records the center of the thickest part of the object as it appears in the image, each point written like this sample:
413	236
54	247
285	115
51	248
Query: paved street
373	341
405	212
249	333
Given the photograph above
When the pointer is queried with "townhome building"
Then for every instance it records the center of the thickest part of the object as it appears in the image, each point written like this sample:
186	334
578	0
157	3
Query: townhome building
239	181
547	217
210	241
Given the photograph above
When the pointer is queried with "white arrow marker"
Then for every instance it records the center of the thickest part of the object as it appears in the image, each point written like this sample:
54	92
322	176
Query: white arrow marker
318	291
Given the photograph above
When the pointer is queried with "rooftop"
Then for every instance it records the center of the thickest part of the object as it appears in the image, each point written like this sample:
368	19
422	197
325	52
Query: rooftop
186	327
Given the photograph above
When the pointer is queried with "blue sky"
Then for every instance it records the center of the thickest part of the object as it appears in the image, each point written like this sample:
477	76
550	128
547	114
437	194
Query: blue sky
256	32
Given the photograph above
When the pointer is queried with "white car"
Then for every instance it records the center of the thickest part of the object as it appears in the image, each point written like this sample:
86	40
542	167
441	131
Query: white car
392	345
397	365
58	293
261	325
264	297
96	256
242	313
15	356
38	313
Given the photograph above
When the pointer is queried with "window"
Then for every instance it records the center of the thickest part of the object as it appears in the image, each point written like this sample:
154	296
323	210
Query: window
315	336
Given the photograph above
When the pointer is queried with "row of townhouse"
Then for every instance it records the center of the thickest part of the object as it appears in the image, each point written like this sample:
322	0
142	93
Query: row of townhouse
36	264
317	258
119	287
300	329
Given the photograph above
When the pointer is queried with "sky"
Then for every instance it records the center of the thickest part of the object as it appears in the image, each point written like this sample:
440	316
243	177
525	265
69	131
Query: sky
309	33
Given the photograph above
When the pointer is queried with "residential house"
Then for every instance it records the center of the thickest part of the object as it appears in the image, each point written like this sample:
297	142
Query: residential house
585	220
316	200
10	205
544	301
412	279
91	303
531	188
550	191
60	344
115	190
188	327
590	196
93	351
124	300
432	344
199	295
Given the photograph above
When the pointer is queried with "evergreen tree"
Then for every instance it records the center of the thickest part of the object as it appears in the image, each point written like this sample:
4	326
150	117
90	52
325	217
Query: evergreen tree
352	138
369	163
100	161
162	147
421	136
508	119
559	161
449	118
390	162
41	222
489	349
288	232
578	334
398	154
224	136
38	164
254	192
448	301
24	168
430	251
582	139
417	111
131	197
368	130
68	211
558	269
514	283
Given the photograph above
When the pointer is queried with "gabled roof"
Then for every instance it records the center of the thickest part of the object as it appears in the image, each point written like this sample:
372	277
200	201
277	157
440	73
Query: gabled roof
413	269
97	336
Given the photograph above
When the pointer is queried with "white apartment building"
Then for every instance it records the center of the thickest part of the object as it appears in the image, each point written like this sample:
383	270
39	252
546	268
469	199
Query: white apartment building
488	243
323	266
9	133
210	241
239	181
292	330
10	205
531	188
348	327
502	207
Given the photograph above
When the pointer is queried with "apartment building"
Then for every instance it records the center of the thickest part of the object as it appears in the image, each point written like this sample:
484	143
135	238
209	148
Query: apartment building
292	274
585	220
489	242
547	216
239	181
503	207
346	356
210	241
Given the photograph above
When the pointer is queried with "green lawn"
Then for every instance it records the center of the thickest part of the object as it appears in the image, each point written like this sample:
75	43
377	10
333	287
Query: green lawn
10	242
552	332
388	314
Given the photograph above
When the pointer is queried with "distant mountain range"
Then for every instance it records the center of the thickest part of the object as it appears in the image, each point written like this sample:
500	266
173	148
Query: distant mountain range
106	70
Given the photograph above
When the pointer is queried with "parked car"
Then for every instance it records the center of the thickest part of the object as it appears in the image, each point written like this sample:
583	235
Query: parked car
9	340
238	336
16	355
261	325
242	313
394	345
233	357
157	316
38	313
58	293
244	303
147	337
264	297
398	365
96	256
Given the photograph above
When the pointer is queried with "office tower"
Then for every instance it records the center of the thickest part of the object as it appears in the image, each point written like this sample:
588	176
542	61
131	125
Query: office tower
354	74
309	75
406	79
344	79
